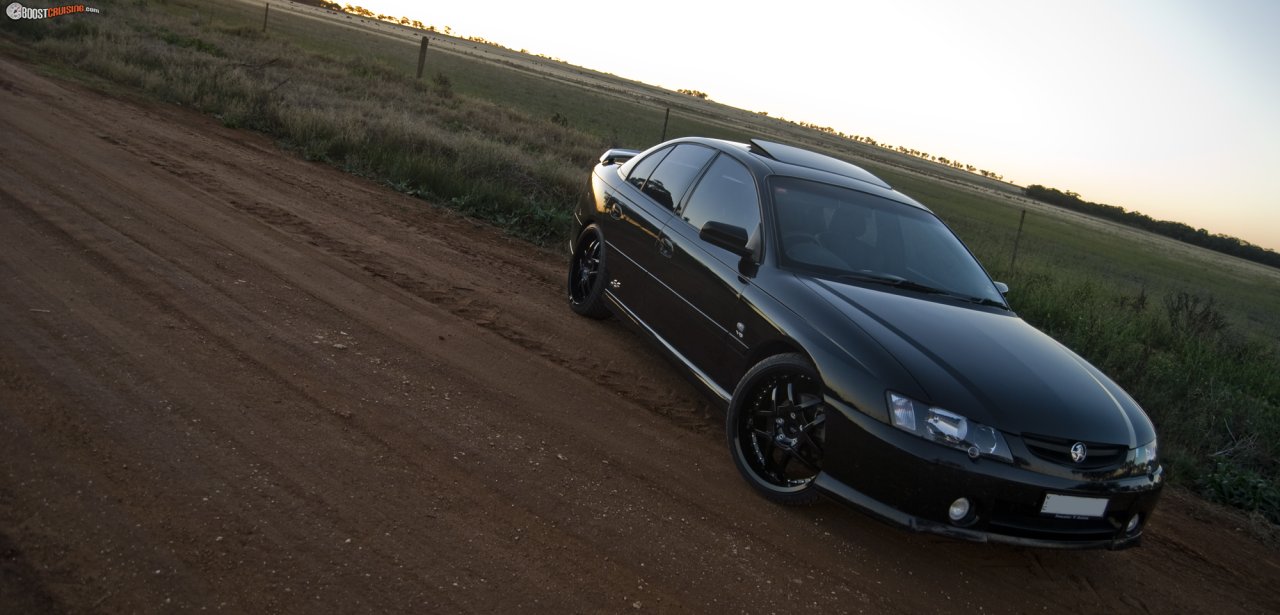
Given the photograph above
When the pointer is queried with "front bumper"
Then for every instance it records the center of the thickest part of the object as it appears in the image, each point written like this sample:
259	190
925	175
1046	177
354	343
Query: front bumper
912	482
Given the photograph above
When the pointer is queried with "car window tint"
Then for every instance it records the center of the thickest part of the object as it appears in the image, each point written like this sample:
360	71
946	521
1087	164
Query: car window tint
727	193
835	230
677	171
933	254
637	173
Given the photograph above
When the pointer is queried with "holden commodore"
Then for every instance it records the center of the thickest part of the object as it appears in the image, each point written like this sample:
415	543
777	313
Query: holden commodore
860	350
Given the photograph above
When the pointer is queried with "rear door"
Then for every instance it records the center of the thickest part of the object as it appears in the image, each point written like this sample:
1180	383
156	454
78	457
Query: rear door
636	212
630	224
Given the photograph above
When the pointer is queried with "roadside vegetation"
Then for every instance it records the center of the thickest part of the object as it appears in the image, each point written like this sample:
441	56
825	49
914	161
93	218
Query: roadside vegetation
418	136
1211	391
1193	340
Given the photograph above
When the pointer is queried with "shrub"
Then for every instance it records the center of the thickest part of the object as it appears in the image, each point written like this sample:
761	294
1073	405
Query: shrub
1213	396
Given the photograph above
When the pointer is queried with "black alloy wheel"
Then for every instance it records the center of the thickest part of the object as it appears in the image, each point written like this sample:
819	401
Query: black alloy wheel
775	428
587	275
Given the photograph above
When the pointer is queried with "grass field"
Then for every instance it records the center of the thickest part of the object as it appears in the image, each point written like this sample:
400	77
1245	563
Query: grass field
1193	335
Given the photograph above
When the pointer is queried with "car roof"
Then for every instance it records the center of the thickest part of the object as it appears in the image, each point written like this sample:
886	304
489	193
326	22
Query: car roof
813	160
788	161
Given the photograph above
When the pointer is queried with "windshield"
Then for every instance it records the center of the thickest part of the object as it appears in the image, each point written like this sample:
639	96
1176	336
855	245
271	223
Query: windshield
839	232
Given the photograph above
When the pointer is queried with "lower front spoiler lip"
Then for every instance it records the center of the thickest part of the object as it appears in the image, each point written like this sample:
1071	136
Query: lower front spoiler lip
848	495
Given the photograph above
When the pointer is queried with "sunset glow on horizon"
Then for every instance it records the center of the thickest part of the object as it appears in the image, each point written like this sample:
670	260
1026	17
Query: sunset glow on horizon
1160	106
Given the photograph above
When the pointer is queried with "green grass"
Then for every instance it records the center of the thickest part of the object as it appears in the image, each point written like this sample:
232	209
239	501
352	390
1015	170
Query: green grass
1192	336
1213	394
1246	293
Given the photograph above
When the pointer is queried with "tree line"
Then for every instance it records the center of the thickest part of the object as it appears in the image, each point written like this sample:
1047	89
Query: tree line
955	164
1217	242
360	11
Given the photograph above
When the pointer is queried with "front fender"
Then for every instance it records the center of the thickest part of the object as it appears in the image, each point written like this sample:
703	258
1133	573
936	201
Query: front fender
855	368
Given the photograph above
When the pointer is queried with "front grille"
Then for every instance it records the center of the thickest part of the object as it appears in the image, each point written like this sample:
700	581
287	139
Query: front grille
1058	450
1046	528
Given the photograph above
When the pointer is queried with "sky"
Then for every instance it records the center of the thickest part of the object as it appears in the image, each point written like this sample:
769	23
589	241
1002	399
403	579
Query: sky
1168	107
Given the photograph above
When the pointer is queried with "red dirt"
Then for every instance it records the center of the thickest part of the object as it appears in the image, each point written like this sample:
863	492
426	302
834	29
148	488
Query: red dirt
233	380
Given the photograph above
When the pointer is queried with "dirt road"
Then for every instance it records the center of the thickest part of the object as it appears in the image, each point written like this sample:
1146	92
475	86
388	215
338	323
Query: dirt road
233	380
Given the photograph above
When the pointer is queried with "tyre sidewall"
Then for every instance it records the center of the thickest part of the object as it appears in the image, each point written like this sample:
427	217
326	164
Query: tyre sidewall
593	304
741	396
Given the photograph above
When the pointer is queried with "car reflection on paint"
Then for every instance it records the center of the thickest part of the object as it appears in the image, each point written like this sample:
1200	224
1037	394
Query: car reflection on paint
859	348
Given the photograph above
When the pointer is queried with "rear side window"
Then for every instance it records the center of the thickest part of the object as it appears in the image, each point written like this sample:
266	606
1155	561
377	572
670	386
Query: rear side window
673	177
727	193
637	170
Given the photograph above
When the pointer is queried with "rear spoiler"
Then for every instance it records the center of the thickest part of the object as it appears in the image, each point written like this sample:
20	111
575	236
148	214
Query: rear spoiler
617	156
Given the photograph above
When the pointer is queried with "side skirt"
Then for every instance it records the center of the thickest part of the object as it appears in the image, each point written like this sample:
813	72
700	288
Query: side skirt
700	376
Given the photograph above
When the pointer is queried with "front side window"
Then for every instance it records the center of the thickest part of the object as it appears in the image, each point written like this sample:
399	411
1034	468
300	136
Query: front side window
677	171
727	193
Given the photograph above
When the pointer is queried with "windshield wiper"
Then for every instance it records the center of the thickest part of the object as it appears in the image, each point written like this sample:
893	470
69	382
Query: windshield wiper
983	301
889	279
978	300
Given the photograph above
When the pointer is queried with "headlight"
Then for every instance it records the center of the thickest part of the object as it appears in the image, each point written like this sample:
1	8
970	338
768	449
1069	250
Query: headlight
949	429
1142	460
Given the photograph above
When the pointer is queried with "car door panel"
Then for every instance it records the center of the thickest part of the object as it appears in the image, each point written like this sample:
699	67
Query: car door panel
705	301
707	281
639	210
631	226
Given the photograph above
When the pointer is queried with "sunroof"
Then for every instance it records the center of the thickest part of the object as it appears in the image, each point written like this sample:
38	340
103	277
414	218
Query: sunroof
811	160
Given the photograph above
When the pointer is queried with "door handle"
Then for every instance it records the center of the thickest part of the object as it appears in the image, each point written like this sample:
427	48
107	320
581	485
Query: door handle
665	247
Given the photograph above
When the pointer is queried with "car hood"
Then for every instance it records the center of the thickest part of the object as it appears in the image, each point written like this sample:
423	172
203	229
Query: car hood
993	367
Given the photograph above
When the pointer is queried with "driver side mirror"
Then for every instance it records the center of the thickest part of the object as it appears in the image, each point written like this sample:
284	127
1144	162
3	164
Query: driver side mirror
1003	288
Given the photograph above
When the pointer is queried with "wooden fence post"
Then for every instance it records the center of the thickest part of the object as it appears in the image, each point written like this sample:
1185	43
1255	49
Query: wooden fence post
264	17
422	55
1017	239
666	118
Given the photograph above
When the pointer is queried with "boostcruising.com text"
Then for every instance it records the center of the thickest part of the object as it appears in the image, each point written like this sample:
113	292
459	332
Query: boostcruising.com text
16	11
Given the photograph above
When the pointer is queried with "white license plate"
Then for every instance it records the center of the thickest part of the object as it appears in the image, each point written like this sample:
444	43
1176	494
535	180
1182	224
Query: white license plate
1073	506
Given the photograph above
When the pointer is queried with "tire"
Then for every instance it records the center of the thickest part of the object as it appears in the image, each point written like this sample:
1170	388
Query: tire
775	429
587	274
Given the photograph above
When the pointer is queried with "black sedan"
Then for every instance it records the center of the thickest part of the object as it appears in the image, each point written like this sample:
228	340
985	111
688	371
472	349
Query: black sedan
861	350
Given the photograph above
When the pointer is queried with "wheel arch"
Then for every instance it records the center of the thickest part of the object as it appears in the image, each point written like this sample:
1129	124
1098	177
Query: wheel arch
848	382
775	347
579	223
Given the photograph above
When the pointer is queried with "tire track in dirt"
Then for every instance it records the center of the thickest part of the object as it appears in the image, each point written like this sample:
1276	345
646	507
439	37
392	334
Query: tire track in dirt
461	300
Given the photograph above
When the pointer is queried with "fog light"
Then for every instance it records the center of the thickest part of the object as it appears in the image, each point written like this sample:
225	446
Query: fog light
1133	523
959	509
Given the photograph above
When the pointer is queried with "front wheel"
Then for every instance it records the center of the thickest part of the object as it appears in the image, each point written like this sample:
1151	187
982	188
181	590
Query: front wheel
587	274
776	428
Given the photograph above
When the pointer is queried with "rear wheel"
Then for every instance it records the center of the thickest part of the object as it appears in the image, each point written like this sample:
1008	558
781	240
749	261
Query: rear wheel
587	274
776	427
